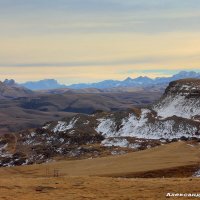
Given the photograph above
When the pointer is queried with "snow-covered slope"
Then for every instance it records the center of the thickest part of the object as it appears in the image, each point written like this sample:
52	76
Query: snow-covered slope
176	115
182	98
148	126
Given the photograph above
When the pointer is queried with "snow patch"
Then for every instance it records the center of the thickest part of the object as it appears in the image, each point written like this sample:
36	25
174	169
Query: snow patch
197	174
106	127
119	142
64	126
179	106
142	127
46	126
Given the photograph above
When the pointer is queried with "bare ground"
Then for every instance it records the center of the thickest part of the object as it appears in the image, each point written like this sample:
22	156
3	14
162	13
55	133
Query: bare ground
103	178
79	188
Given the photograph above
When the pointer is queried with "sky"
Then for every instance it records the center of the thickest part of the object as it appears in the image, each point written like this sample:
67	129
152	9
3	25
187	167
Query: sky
77	41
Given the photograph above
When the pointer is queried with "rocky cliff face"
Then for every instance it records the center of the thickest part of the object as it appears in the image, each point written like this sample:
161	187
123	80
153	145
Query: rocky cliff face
176	116
181	98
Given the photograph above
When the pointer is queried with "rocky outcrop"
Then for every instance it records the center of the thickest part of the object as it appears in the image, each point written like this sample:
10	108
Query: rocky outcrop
181	98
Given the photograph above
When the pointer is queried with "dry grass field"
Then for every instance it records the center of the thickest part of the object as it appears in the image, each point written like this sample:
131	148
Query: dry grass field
97	188
104	178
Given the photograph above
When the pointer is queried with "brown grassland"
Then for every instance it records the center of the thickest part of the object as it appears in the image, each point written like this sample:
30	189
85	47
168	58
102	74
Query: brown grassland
148	174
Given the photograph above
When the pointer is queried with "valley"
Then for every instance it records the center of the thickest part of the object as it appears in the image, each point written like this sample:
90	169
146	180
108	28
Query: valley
18	113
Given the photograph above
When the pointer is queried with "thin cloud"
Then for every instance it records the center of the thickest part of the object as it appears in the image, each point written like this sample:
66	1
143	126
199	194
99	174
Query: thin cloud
142	60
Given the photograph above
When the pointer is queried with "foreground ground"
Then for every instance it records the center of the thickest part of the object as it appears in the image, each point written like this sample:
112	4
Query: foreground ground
105	178
79	188
178	159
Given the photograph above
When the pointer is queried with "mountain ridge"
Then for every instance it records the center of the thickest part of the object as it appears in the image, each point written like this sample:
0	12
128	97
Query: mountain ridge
141	81
43	84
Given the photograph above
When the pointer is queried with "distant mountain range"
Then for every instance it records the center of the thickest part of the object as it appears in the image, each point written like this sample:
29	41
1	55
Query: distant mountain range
45	84
142	81
137	82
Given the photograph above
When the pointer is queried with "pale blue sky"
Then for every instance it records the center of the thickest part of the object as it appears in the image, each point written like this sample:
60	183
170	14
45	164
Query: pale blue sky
91	40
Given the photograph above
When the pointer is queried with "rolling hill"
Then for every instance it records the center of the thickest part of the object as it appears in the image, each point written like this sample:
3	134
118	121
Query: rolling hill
95	178
35	109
